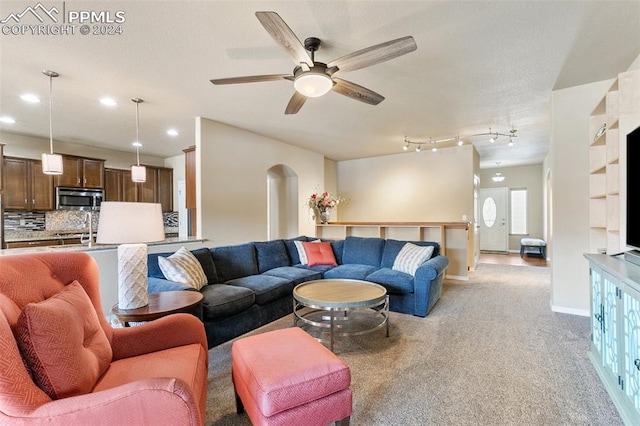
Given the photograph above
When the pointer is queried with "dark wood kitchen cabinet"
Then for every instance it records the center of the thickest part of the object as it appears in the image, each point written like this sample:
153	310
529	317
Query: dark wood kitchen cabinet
158	187
80	172
25	186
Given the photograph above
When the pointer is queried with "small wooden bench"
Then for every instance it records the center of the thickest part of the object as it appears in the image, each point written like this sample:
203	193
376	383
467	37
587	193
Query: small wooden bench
286	377
533	244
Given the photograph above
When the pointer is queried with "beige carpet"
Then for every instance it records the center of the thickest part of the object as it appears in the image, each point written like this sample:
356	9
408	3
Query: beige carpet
490	353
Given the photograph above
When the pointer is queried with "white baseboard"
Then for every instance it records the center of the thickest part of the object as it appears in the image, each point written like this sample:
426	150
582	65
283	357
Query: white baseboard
457	277
571	311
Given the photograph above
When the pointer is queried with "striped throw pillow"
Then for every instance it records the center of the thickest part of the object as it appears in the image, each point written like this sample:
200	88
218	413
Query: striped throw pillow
183	267
411	257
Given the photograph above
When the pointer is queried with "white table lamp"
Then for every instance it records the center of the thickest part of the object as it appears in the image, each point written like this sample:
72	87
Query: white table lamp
131	225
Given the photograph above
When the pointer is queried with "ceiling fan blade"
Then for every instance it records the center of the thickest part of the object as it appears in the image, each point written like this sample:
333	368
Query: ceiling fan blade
357	92
252	79
375	54
295	103
282	34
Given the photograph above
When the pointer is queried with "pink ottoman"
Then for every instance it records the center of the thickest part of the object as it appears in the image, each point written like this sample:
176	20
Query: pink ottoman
286	377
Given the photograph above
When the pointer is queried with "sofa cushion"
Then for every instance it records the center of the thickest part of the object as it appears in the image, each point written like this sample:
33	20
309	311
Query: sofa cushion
393	247
63	344
295	275
203	255
183	267
350	271
395	282
222	300
235	261
292	251
266	287
321	269
338	248
363	251
411	257
271	254
319	253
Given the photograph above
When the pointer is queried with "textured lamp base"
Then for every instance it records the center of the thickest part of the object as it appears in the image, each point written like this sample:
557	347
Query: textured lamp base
132	276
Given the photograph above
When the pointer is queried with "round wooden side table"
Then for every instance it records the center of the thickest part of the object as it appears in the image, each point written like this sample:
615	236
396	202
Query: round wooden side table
162	304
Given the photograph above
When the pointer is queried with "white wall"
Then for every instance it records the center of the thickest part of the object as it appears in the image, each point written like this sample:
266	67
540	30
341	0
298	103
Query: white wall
231	171
420	187
414	187
569	162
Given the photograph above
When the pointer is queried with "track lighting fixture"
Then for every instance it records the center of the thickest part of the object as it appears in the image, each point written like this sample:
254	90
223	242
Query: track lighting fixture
419	148
459	140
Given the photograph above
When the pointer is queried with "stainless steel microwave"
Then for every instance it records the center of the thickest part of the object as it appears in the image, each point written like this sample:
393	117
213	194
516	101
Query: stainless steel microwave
78	198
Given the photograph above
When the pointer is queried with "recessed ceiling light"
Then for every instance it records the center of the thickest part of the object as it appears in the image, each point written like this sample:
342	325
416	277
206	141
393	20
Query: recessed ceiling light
28	97
108	101
136	144
172	132
7	120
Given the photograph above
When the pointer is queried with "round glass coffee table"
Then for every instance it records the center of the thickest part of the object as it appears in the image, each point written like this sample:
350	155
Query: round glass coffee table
340	307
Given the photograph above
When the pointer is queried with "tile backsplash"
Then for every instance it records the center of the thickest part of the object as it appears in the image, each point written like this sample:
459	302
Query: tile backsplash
62	220
24	221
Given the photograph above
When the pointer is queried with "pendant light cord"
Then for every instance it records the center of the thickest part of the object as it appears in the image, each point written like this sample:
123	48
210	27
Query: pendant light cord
137	133
51	113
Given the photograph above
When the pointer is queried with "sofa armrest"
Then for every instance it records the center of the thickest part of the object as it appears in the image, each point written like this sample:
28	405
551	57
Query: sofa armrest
428	284
161	400
432	268
164	333
158	285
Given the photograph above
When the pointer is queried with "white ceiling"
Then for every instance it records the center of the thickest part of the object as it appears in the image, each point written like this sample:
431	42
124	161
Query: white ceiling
479	64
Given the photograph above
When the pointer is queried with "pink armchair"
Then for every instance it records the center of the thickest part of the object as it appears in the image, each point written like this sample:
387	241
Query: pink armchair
155	373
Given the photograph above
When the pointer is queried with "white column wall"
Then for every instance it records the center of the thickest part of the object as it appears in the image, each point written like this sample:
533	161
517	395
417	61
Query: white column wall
569	161
231	175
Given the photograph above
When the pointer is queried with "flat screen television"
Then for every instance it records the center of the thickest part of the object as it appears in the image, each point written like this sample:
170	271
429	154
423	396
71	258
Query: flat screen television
633	196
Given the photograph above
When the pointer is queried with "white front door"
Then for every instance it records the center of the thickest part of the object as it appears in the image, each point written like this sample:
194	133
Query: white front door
493	219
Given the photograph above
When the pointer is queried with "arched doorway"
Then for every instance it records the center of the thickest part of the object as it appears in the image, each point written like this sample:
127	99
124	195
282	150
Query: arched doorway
282	202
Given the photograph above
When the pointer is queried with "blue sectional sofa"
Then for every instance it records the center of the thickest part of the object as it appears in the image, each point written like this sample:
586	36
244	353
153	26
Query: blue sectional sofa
251	284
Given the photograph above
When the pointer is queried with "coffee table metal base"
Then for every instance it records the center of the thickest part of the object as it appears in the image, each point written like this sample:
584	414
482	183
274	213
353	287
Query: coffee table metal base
364	317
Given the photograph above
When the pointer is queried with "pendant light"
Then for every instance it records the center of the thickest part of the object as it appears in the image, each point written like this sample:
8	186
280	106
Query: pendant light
498	177
138	172
51	163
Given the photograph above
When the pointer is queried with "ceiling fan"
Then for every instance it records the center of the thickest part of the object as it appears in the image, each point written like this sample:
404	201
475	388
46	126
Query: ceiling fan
311	78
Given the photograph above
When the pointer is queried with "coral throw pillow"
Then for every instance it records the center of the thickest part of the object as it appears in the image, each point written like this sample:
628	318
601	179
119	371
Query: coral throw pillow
183	267
63	344
319	253
302	255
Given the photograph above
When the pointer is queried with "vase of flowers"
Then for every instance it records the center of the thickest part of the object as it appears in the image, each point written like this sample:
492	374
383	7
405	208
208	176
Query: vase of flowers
321	204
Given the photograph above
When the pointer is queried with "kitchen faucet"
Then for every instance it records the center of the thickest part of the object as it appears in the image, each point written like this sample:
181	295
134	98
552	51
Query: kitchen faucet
88	219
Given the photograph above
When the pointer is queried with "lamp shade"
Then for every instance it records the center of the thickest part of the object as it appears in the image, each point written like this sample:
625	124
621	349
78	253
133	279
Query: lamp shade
52	164
126	223
138	173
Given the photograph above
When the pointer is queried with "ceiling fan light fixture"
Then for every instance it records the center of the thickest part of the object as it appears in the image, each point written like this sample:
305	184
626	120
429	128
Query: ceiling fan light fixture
313	84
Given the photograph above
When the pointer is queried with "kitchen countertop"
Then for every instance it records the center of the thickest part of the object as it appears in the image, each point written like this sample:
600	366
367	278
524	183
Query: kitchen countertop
85	247
20	236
